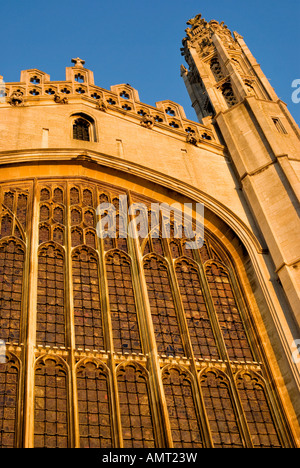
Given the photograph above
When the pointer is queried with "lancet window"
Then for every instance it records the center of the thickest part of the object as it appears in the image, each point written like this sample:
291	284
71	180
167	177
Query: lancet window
135	408
9	389
183	417
94	406
51	405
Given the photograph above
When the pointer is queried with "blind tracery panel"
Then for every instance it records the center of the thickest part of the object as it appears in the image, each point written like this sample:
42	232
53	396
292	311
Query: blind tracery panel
51	406
125	327
95	421
164	316
87	308
12	256
136	415
183	417
9	384
50	322
229	316
220	411
257	410
201	334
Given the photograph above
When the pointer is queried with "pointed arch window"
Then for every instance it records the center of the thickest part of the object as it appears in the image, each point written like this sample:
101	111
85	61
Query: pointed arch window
135	409
163	311
81	130
258	412
9	387
94	406
87	308
220	410
50	322
12	257
230	320
201	333
185	427
125	326
51	405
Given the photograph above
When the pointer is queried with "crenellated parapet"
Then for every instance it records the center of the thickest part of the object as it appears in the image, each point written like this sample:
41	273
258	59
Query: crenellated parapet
36	89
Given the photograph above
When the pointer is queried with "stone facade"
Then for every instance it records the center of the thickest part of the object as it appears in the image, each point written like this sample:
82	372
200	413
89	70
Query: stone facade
143	342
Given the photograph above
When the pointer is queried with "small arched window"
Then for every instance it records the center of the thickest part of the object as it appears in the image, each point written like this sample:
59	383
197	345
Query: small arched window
81	129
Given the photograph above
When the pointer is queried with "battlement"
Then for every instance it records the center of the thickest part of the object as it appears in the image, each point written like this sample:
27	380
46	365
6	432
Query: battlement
36	89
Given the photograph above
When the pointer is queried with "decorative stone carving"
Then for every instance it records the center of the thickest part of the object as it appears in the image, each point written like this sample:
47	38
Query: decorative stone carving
60	100
78	62
148	121
191	139
183	70
101	105
200	34
16	99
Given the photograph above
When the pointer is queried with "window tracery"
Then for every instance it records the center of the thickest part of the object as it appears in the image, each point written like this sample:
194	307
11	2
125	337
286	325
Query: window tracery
182	317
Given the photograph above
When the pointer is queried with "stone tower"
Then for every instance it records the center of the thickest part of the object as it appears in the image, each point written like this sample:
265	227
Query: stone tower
138	341
227	86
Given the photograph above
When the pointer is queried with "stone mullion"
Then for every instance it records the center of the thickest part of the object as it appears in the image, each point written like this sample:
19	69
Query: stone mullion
203	423
223	350
31	273
70	327
108	338
158	401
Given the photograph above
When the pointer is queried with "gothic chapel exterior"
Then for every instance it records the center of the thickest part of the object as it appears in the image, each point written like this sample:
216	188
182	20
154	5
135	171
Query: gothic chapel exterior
137	342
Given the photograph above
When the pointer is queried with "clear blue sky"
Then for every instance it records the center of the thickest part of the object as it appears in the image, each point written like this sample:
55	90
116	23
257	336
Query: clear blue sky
138	42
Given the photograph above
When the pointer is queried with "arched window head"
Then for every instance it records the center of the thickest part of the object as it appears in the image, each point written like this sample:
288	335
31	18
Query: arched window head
81	129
